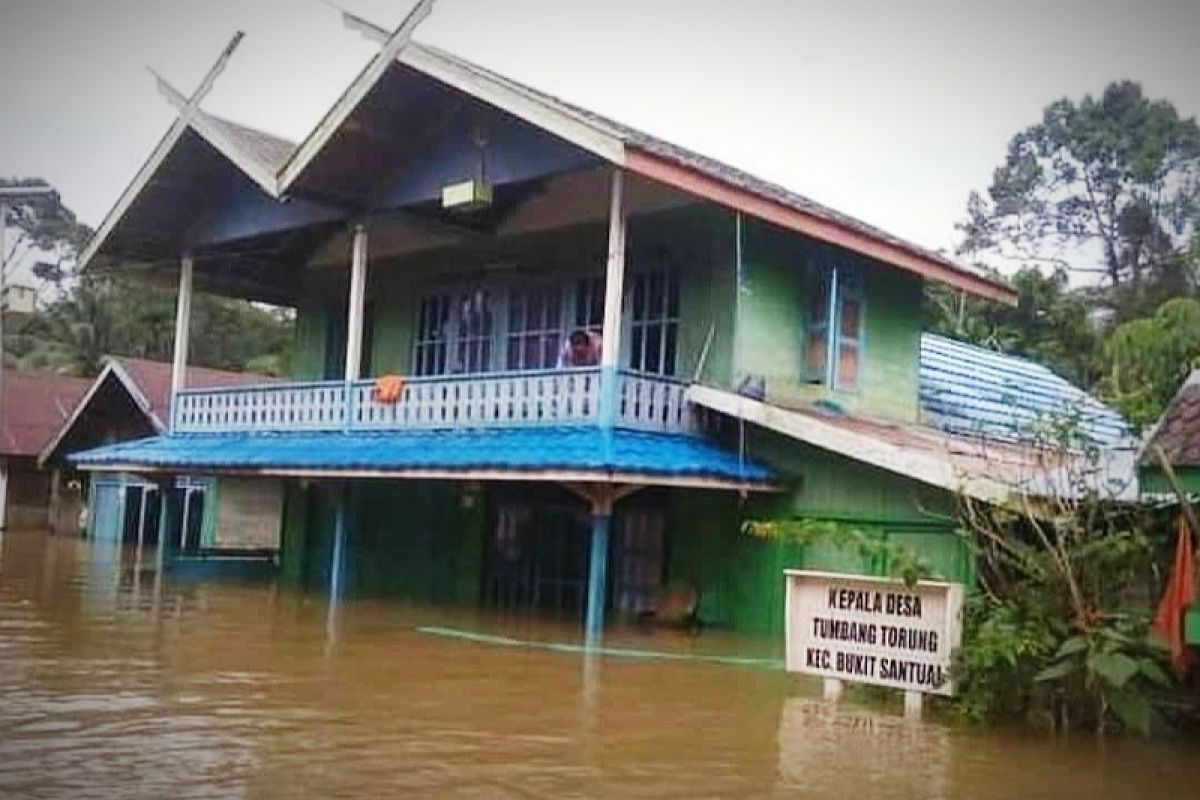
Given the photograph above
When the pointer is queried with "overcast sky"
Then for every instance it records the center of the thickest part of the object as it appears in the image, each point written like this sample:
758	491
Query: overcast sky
891	111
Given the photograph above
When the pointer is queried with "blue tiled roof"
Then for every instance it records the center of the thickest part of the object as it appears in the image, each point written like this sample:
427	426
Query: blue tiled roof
516	449
970	390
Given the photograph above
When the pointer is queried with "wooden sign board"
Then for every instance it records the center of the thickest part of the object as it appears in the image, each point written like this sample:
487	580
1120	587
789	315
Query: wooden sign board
873	630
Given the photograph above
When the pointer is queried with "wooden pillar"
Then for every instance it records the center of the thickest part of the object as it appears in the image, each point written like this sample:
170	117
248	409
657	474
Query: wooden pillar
54	512
614	291
597	588
183	322
164	524
357	301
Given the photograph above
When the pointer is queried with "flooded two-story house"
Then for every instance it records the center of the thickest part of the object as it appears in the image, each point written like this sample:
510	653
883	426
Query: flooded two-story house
545	362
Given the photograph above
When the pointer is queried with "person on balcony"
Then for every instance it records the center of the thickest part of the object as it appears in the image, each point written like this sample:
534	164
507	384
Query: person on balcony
581	349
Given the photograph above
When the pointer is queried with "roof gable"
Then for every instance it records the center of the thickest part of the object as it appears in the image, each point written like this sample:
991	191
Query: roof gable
147	386
620	145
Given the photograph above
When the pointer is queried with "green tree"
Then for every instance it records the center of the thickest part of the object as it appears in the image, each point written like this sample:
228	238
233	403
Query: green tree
96	314
1150	358
1051	323
1107	185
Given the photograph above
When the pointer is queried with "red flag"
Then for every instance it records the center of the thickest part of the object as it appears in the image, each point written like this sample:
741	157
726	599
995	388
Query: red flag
1180	593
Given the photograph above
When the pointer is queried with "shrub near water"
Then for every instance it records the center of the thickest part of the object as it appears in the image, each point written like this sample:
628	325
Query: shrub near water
1056	632
1059	631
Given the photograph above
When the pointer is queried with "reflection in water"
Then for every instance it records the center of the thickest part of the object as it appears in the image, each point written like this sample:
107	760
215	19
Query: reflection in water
886	755
113	684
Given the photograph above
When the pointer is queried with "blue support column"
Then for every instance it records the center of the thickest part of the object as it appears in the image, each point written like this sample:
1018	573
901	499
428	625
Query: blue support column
337	568
597	574
338	557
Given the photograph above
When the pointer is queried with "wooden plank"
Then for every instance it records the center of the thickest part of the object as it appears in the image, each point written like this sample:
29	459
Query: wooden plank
183	322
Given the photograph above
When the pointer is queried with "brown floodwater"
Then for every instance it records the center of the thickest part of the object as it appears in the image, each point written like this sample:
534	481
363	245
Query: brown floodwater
115	684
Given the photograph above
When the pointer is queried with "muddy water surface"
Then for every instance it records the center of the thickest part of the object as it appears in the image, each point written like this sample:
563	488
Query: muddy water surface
113	684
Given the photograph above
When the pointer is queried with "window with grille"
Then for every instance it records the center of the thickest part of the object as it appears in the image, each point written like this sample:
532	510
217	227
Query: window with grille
535	327
589	304
430	347
473	333
832	351
654	321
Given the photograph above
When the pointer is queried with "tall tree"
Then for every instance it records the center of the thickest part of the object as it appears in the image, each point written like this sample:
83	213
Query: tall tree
1107	185
43	229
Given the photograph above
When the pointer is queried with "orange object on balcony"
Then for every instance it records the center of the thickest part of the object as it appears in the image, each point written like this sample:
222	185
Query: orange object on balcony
388	389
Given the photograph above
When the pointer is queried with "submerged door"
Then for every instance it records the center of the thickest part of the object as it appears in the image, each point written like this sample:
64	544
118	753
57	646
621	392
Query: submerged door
537	558
105	515
639	560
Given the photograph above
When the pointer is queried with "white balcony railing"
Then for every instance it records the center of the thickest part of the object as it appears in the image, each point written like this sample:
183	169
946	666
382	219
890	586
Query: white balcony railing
499	400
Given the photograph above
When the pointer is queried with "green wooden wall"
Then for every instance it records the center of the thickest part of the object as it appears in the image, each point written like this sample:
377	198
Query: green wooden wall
420	540
775	276
699	240
1152	481
740	577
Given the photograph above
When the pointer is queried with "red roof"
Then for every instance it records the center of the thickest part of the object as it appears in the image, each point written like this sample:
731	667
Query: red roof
154	380
1178	432
35	406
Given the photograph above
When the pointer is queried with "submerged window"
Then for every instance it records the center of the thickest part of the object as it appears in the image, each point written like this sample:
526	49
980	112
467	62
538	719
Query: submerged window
654	321
832	350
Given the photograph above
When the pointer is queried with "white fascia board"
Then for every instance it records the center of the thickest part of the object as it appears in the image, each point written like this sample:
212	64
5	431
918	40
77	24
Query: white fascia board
923	466
135	188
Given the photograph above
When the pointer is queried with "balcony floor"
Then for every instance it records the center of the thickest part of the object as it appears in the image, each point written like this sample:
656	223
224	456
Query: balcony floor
551	453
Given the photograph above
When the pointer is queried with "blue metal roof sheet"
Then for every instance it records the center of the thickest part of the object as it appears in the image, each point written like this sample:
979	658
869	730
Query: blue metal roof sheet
517	449
965	389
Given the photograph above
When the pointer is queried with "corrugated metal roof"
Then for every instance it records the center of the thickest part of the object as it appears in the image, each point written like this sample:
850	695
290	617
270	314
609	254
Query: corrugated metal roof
515	449
973	391
35	406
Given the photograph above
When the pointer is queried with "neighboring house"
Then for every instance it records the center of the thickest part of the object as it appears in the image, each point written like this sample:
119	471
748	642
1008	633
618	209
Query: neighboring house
1177	435
128	401
452	226
34	408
